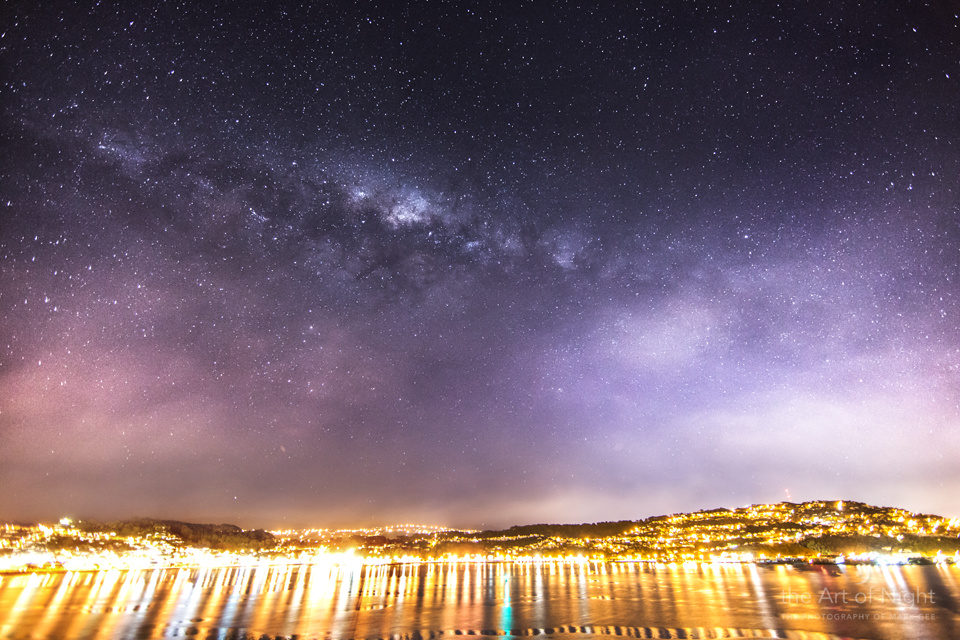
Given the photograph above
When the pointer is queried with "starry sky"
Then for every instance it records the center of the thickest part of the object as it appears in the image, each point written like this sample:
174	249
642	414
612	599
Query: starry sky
477	264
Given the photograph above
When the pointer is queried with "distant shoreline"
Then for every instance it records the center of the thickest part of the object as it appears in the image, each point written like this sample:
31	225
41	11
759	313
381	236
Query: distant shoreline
819	532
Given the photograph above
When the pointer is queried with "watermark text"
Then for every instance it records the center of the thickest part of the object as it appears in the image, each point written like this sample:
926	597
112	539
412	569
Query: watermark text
871	596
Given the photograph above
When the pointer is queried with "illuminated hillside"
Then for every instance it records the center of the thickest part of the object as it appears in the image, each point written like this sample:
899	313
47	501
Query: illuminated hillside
810	531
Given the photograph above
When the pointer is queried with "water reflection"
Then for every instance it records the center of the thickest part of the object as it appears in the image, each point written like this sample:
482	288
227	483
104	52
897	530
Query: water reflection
504	599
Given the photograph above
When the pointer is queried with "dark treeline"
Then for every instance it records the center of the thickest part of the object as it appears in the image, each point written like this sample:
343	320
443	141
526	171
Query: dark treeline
590	530
211	536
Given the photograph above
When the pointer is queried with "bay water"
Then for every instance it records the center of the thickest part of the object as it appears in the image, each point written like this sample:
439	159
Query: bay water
432	600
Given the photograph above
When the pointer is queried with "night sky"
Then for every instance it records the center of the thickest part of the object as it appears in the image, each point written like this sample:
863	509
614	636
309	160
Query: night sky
476	265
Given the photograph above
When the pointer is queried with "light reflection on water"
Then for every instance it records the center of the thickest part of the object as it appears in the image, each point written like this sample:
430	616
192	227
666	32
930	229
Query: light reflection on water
503	599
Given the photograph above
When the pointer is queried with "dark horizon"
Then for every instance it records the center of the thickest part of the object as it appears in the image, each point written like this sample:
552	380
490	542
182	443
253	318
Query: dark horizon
384	525
477	264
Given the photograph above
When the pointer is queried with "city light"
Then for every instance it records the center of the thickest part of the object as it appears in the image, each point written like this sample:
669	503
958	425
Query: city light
835	532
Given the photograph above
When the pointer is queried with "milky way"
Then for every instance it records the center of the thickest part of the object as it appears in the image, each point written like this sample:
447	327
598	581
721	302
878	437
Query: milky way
474	265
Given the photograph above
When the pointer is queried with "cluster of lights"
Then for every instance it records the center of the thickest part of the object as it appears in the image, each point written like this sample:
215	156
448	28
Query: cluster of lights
705	536
778	524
